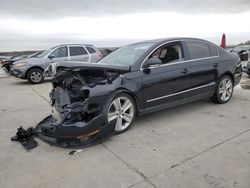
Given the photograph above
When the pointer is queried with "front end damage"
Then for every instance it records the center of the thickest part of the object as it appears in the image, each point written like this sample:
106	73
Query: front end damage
78	101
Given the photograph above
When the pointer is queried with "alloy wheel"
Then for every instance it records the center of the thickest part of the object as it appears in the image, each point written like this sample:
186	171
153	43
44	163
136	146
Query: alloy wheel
225	89
121	110
36	77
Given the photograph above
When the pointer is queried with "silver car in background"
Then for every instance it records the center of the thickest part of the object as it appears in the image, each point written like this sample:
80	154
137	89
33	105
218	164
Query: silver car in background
243	51
32	68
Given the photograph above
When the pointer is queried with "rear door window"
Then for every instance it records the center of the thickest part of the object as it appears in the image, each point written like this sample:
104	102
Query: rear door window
198	49
77	50
213	50
91	50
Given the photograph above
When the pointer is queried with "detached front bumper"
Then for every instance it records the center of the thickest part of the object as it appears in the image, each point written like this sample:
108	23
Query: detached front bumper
77	134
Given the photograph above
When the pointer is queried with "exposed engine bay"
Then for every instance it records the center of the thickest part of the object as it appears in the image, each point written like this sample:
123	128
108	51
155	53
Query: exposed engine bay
78	100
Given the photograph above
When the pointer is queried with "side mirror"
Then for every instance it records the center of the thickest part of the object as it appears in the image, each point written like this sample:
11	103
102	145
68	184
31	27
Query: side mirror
51	56
151	62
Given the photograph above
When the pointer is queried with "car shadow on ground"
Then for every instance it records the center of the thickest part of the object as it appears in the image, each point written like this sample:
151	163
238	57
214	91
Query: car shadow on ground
173	112
139	122
25	82
195	106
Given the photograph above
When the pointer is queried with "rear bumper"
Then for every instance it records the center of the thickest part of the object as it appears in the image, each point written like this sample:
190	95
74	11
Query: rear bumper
238	73
78	134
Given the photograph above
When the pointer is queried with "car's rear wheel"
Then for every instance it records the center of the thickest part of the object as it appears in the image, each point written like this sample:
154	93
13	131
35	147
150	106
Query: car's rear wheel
122	111
35	76
224	90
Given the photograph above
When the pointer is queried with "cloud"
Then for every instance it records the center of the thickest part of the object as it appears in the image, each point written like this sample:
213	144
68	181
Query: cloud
56	9
39	24
119	30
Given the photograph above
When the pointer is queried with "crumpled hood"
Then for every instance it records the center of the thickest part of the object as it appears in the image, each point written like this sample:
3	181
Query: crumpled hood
60	67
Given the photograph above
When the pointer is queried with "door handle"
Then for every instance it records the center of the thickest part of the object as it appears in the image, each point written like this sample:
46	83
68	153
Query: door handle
215	65
185	71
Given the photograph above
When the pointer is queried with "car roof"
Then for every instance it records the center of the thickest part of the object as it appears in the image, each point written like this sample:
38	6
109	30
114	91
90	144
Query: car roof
73	45
162	40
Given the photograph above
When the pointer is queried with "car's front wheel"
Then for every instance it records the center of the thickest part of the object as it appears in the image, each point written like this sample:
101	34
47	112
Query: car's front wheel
35	76
122	111
224	90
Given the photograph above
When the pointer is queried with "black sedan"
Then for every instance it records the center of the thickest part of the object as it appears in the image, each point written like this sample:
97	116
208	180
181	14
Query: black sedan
93	101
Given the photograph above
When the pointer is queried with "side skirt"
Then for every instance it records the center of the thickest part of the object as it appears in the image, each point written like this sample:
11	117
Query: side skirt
175	103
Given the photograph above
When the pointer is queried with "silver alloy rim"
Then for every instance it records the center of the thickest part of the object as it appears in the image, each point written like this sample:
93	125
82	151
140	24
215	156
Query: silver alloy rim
225	89
121	110
35	76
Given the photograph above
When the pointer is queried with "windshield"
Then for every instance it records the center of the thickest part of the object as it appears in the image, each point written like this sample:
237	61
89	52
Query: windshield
126	55
45	53
34	55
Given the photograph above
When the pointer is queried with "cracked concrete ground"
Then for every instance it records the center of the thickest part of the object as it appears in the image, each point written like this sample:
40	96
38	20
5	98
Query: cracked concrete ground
195	145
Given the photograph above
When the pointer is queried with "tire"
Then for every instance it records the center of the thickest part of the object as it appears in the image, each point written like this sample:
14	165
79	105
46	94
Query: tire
246	57
121	109
224	90
35	76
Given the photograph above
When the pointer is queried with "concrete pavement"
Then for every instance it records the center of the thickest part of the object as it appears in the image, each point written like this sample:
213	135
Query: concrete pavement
195	145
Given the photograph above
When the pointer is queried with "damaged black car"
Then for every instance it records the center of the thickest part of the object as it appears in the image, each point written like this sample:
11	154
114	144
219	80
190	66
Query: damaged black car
91	101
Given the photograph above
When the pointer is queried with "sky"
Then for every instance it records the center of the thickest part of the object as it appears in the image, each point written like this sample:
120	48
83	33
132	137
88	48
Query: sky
36	25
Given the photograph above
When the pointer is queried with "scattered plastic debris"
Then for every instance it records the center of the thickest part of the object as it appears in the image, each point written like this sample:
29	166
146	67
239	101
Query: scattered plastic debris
73	152
25	137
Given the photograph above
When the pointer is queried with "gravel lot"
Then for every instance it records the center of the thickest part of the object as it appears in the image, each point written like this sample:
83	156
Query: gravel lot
195	145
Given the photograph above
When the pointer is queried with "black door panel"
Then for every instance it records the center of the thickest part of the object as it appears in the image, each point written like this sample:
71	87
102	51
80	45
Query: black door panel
172	82
202	72
162	82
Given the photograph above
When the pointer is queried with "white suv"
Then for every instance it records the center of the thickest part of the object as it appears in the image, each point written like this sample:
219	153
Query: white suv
32	68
